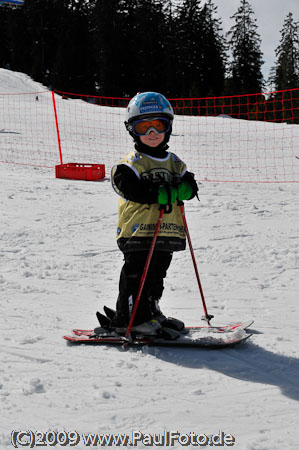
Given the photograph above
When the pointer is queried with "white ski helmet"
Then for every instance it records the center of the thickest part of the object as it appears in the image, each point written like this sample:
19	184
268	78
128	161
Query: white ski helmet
149	104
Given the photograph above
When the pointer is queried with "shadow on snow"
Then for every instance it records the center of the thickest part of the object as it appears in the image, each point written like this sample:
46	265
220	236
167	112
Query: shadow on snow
247	362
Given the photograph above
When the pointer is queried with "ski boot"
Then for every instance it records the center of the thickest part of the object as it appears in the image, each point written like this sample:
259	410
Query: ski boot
168	322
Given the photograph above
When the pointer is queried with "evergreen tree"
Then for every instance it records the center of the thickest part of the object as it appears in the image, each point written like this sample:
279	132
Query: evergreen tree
171	51
213	53
245	75
40	38
73	59
190	43
201	53
130	37
110	43
4	38
127	57
15	46
50	41
285	73
150	47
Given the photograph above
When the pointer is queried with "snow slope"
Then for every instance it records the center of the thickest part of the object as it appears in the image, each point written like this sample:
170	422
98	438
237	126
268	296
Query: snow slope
60	263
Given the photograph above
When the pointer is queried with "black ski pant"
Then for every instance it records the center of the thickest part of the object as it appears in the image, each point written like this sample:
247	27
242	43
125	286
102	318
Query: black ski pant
130	276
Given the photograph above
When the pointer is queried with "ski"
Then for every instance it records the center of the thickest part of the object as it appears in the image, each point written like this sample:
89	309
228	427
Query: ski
207	337
187	330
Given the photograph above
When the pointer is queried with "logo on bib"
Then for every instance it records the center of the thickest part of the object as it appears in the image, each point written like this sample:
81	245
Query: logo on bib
135	227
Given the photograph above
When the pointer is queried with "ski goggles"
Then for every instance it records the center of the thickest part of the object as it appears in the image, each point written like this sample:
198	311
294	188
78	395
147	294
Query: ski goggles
144	126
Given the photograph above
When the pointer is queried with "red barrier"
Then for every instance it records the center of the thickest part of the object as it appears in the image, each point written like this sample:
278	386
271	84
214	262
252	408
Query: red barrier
247	138
278	106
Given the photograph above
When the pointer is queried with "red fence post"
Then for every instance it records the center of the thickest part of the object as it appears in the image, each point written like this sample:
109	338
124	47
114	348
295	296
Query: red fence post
57	127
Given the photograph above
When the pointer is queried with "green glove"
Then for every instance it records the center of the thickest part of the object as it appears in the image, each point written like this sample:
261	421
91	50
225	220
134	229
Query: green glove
184	191
167	196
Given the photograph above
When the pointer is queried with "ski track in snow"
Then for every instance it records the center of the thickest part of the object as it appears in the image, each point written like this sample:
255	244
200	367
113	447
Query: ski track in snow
60	263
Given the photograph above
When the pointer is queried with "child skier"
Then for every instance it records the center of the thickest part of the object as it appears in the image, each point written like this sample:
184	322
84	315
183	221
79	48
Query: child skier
146	178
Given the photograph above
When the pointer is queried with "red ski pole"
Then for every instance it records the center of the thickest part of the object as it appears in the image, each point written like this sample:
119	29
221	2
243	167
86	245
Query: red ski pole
208	317
146	267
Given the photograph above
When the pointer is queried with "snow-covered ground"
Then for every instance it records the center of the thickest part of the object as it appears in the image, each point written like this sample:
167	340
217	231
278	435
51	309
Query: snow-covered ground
60	263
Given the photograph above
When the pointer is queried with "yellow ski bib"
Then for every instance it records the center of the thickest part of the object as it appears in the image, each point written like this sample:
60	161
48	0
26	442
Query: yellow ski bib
137	221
